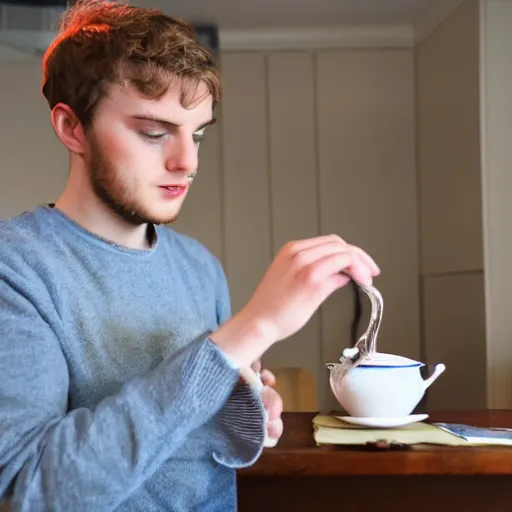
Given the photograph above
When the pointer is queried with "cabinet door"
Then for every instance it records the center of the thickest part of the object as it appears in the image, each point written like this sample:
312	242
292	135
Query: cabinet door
294	189
367	179
246	201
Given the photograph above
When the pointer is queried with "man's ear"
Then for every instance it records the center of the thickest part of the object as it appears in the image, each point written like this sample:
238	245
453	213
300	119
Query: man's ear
68	128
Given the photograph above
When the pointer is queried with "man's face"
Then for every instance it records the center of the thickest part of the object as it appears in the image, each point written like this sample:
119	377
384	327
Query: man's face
141	152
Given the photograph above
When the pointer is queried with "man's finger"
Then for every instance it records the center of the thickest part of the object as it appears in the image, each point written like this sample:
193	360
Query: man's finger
256	366
268	378
275	428
272	402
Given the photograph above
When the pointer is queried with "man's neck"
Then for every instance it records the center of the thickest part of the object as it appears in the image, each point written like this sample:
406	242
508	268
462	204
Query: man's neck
86	209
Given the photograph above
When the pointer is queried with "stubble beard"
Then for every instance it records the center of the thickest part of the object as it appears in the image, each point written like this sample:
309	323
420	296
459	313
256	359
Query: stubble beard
111	190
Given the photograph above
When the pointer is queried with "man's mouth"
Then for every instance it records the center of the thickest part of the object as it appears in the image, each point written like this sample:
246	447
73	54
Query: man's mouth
173	191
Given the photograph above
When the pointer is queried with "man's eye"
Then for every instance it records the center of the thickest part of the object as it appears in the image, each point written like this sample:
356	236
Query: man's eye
153	135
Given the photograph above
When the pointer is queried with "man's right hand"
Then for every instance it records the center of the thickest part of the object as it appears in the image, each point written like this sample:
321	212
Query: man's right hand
301	277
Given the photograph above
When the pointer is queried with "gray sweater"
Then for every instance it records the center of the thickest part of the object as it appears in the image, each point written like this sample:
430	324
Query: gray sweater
112	395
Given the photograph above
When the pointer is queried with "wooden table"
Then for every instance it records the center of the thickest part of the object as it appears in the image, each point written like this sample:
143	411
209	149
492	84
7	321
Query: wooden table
299	474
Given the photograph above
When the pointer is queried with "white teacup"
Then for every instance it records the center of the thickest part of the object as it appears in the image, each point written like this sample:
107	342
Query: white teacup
385	386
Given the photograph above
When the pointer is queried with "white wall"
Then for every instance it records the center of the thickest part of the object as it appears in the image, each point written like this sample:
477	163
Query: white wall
33	165
452	277
315	143
464	159
308	143
496	131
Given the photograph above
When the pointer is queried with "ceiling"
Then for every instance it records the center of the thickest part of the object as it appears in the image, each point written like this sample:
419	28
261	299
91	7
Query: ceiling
242	14
272	24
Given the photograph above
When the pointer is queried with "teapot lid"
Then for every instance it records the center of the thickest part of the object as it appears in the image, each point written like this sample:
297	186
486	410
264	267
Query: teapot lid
388	361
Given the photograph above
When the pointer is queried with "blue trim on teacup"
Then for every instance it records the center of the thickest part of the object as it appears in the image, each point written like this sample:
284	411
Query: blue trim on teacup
415	365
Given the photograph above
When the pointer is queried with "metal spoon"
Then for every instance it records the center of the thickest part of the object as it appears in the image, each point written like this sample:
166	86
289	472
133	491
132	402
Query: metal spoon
367	343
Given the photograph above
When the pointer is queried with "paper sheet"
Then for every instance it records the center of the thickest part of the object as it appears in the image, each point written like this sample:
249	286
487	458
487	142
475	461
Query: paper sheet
328	430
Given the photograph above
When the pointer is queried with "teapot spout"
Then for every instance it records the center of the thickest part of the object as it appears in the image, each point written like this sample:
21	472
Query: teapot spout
438	369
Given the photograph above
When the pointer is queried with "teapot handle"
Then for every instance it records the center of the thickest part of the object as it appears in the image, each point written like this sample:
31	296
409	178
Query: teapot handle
438	369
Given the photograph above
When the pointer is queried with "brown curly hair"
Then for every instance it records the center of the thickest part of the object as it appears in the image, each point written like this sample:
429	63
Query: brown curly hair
102	42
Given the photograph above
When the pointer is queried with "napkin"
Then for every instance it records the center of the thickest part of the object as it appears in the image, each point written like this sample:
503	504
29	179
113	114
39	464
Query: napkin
329	430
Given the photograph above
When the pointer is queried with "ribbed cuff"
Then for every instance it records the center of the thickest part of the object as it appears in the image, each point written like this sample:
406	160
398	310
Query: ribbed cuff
242	422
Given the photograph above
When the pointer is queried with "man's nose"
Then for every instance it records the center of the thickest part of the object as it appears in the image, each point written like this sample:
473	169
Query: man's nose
182	155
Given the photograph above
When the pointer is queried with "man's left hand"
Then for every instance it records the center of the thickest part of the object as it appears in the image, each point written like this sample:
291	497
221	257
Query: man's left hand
273	404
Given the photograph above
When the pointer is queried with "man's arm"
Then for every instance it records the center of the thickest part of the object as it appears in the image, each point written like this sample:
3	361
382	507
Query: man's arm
85	460
243	440
93	459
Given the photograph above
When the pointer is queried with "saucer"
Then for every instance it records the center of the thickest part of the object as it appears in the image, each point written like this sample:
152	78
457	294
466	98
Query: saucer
383	422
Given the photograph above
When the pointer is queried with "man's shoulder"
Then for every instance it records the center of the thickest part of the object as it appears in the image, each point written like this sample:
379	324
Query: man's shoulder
23	237
26	228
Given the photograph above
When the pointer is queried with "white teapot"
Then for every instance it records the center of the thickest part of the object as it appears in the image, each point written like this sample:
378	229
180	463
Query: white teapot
381	386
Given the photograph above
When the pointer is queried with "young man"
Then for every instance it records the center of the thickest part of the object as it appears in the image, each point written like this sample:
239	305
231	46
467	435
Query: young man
120	362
